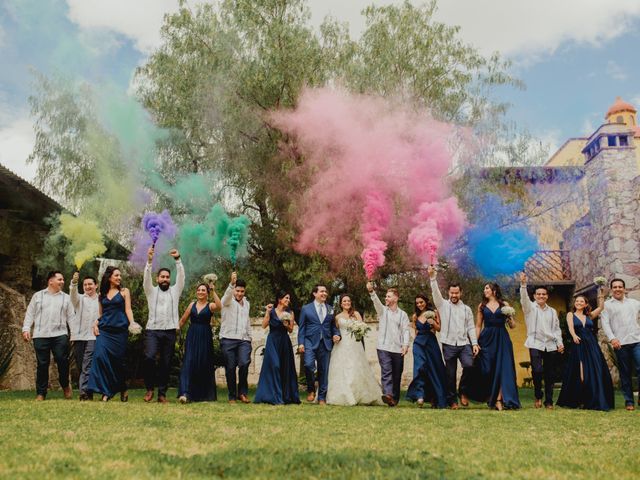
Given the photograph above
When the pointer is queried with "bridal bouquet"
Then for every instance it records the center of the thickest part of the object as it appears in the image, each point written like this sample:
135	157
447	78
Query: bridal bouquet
135	328
429	315
210	278
358	329
600	281
509	311
286	318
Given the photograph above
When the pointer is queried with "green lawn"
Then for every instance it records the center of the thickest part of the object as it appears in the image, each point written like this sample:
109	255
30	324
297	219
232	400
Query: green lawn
68	439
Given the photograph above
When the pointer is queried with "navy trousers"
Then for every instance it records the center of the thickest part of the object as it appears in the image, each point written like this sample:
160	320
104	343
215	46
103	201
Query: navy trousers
451	354
391	366
237	354
83	352
317	360
158	344
627	355
44	347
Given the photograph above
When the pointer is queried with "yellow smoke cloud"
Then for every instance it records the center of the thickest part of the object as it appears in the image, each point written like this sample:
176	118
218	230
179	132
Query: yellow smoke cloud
85	237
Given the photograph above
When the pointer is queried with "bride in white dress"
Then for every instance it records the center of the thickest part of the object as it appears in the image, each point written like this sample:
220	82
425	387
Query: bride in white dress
351	380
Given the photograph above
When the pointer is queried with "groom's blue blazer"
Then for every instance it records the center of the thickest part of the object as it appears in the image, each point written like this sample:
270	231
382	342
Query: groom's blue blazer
311	331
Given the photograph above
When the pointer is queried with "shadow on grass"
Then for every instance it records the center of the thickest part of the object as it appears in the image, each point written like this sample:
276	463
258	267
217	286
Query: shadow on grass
287	463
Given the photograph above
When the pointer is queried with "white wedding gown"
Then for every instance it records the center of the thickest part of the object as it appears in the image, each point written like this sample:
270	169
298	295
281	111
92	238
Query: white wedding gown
351	380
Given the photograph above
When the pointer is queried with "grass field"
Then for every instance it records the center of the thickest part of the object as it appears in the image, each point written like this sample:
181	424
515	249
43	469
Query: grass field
68	439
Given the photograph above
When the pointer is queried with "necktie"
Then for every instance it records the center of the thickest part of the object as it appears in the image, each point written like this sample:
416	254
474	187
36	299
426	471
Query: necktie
321	312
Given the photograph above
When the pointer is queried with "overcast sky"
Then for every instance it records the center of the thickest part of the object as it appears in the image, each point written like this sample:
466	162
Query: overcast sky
575	56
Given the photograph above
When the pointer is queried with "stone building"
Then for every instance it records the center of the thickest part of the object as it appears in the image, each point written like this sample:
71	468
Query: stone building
23	228
599	231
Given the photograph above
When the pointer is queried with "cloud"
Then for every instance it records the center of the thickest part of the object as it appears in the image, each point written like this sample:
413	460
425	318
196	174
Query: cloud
139	20
615	71
524	31
16	143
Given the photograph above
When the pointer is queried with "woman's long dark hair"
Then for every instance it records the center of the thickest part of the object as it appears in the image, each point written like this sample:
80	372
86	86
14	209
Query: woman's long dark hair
428	306
495	288
352	310
105	284
587	308
279	296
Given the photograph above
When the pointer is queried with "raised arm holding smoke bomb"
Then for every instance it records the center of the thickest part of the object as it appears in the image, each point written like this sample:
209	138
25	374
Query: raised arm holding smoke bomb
457	335
162	324
235	338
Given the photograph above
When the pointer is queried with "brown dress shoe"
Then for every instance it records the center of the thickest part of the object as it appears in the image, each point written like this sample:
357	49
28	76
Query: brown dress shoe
388	399
321	402
148	396
455	406
40	398
630	407
162	399
67	393
464	400
537	403
244	398
311	397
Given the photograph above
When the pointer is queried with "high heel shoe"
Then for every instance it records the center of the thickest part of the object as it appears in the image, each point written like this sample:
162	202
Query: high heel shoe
124	396
499	405
105	398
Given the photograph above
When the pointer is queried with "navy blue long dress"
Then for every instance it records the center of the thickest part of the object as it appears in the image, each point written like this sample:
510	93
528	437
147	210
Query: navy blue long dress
108	372
278	382
596	391
429	374
494	368
197	375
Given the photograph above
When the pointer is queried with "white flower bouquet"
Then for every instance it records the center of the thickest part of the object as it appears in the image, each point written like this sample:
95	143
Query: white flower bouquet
286	318
509	311
358	329
600	281
210	278
429	314
135	328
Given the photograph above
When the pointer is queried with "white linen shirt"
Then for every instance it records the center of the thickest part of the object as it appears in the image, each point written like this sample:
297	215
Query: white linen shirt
393	327
620	320
87	312
163	305
49	314
543	325
235	323
456	319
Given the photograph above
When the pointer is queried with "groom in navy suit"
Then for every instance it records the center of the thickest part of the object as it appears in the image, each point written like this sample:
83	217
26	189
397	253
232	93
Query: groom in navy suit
317	332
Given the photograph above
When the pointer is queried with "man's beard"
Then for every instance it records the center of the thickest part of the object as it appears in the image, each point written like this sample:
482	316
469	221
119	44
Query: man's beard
164	286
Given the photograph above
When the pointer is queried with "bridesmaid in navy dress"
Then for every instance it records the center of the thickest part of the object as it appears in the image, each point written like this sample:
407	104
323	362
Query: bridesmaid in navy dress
197	375
278	383
108	372
494	376
429	374
587	381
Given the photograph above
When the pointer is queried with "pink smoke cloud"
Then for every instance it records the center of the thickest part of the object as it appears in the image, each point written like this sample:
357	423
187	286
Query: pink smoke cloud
370	165
375	221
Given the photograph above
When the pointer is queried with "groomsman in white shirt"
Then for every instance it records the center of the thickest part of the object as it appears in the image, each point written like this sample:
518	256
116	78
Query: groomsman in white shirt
160	332
544	340
235	339
87	309
457	336
620	324
393	342
49	313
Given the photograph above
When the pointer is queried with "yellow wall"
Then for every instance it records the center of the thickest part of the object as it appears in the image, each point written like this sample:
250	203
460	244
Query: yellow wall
569	154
